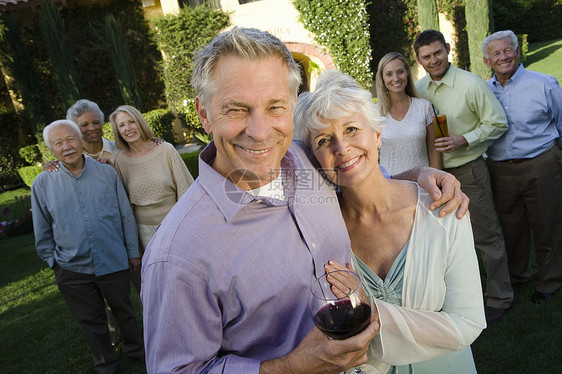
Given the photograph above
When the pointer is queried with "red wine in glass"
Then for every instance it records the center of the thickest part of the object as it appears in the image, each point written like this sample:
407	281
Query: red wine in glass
342	320
340	305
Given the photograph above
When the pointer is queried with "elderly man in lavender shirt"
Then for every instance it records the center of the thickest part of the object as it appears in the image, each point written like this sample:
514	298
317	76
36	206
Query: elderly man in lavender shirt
226	278
524	165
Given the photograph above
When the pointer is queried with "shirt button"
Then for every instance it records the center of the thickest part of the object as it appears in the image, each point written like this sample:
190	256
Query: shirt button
314	245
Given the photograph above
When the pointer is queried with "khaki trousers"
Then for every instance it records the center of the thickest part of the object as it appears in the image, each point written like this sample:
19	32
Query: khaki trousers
528	197
475	183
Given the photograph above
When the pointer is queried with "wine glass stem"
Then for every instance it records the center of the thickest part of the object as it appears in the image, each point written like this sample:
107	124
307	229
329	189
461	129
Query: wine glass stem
358	370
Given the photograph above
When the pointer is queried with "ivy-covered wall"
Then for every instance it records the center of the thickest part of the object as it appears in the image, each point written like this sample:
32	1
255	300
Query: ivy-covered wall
178	37
342	27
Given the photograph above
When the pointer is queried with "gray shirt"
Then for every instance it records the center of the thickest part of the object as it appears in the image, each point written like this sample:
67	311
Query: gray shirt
85	222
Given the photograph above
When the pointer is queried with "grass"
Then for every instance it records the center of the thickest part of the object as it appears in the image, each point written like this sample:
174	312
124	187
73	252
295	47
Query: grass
546	57
8	200
39	334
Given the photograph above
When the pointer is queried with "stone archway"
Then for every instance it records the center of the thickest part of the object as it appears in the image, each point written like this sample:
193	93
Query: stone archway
307	53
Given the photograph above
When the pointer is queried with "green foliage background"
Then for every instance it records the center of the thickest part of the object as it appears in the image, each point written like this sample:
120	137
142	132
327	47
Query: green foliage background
428	15
160	121
341	26
480	27
179	37
393	26
88	46
539	19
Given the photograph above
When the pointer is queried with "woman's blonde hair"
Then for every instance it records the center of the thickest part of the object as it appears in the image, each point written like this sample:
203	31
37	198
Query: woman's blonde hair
383	95
144	128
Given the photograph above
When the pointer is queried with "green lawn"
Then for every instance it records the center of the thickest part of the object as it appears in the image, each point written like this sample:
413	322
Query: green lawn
546	57
38	333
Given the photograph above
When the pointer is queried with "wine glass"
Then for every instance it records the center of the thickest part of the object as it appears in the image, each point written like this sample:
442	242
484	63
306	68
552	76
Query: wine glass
340	304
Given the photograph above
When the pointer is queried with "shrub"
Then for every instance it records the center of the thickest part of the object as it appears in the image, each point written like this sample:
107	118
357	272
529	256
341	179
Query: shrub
397	20
12	132
540	19
343	27
178	37
108	131
478	16
161	122
192	162
523	46
31	154
28	174
15	219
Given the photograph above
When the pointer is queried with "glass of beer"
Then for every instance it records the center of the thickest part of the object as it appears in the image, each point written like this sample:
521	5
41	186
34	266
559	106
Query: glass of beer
440	126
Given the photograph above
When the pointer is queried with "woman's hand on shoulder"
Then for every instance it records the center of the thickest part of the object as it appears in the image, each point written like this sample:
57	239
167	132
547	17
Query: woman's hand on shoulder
105	161
51	166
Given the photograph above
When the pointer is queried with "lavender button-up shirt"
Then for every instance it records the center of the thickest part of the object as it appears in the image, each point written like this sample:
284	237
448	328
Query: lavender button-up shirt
226	278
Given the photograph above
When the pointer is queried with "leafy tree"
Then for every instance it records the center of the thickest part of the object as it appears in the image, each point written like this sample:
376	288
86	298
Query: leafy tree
428	15
124	68
53	34
479	25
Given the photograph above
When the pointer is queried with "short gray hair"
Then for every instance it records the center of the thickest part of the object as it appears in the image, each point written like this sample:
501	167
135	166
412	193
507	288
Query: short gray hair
336	95
248	44
498	36
47	130
82	106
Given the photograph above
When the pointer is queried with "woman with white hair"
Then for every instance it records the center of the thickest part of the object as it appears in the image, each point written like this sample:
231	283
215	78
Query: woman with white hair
422	269
89	118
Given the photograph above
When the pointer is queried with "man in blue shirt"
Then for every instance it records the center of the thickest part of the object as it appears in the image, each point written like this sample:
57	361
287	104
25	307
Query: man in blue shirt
85	231
525	166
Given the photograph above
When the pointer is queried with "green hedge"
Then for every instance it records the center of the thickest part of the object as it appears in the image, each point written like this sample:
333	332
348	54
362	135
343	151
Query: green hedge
161	122
192	162
539	19
14	132
341	26
178	37
28	174
397	20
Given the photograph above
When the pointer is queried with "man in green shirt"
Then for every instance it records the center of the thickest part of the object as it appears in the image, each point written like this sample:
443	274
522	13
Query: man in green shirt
474	117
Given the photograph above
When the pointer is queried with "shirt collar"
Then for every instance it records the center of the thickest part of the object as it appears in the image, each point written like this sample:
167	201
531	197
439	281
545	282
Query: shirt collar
228	197
514	78
68	172
449	77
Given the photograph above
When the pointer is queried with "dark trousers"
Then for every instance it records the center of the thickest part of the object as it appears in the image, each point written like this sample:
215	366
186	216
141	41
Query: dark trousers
475	183
84	294
528	198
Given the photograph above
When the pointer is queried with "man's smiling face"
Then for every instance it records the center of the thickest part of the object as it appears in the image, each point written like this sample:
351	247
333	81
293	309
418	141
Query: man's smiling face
251	119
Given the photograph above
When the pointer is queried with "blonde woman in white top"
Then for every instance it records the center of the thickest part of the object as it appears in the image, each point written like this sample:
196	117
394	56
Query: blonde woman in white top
408	138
